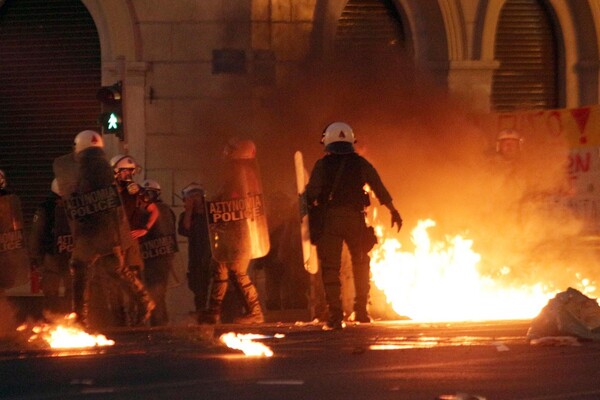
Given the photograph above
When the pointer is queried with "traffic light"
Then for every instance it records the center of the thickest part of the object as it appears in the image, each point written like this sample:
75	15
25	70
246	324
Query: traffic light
111	117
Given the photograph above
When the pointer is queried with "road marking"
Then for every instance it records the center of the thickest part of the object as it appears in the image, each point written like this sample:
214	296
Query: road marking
281	382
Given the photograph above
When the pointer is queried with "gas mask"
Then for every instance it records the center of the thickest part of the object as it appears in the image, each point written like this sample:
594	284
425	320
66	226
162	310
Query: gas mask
132	187
125	175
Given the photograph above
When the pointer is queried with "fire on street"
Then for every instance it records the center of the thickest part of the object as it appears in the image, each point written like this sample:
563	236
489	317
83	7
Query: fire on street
383	360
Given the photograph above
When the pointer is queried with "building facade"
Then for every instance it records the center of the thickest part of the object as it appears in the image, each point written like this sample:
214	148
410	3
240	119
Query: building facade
196	73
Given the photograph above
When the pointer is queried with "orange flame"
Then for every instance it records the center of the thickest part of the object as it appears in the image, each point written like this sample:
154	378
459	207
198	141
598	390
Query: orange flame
439	281
246	343
66	335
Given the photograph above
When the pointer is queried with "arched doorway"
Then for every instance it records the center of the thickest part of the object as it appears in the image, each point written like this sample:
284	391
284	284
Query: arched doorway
49	75
367	28
527	48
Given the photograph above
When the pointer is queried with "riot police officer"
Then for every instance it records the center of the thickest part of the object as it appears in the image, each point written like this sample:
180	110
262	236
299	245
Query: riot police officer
101	233
238	232
193	224
158	249
140	214
336	185
13	251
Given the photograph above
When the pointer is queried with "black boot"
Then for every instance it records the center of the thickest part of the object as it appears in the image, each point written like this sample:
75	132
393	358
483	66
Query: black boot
80	299
212	315
145	303
254	314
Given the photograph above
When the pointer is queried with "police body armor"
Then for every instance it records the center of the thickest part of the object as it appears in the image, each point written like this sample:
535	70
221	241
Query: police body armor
14	259
237	221
161	240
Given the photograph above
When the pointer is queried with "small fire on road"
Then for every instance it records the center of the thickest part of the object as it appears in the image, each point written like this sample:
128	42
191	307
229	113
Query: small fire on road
65	334
246	343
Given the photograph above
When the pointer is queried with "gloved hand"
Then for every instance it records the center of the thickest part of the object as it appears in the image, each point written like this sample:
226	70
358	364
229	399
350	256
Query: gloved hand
396	219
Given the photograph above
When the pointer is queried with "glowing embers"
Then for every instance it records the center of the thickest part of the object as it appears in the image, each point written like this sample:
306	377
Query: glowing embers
65	334
246	343
439	281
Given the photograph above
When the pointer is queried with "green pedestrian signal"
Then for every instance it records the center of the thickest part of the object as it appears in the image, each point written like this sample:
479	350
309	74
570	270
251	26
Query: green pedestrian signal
111	118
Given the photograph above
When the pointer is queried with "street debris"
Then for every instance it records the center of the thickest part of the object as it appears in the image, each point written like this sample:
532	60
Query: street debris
569	314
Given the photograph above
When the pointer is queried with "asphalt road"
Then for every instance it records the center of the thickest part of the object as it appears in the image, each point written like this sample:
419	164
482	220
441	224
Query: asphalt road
383	360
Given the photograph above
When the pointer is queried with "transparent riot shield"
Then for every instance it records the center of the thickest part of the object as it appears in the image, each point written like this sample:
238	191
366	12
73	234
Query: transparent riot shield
237	222
14	260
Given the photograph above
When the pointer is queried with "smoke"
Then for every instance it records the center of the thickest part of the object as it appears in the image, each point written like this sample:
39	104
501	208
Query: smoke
438	160
8	324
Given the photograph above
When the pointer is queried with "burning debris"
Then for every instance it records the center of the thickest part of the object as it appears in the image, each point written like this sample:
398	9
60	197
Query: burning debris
65	334
246	343
570	314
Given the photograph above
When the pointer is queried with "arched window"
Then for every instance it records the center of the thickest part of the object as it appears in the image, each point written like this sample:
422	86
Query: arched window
49	75
368	27
527	49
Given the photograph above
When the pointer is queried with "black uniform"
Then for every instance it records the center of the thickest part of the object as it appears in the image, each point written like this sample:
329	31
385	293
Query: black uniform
199	258
344	222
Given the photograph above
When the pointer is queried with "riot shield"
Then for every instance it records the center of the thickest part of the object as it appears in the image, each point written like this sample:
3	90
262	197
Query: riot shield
94	209
237	222
63	240
14	260
161	240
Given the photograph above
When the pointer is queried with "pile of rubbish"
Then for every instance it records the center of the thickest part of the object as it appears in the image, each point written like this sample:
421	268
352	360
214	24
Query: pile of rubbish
570	314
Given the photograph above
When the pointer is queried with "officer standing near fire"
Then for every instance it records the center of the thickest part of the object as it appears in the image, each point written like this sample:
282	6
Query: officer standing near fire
50	247
101	233
13	250
193	224
141	216
336	184
158	248
238	232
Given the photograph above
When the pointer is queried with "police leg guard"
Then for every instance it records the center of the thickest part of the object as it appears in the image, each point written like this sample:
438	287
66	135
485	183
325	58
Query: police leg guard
254	314
361	287
137	288
332	287
212	315
80	290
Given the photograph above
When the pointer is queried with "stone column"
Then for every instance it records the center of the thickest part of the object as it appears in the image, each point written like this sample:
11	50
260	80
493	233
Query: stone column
472	80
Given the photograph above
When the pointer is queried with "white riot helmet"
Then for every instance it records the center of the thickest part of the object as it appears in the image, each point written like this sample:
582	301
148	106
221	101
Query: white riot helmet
122	162
151	184
338	137
86	139
151	190
192	189
508	134
2	179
